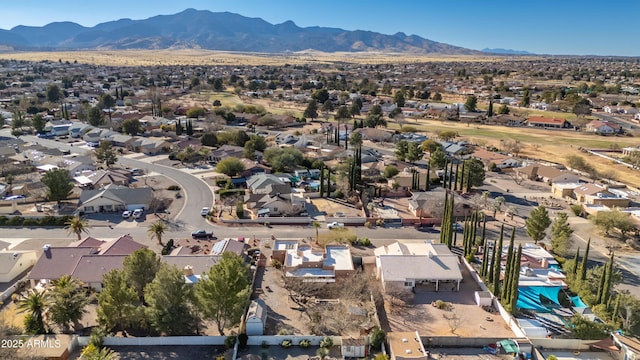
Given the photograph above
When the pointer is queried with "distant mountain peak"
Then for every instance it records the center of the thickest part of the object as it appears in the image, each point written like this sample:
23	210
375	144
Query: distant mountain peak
506	51
224	31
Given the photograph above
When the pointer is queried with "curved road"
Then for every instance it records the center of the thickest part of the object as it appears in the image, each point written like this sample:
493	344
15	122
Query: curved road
197	193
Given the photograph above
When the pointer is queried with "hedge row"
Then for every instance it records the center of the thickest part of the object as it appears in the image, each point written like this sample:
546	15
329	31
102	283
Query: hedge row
43	221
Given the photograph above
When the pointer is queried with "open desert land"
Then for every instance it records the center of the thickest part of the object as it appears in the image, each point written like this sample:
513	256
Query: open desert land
213	58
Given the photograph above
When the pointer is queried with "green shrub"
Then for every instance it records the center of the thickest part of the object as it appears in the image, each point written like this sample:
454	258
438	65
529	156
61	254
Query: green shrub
240	209
365	241
96	337
470	258
576	209
377	338
304	343
3	220
30	222
278	265
15	221
322	352
230	342
286	343
326	342
173	188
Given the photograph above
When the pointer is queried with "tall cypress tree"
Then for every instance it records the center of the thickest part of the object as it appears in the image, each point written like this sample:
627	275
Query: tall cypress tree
461	176
444	223
455	185
513	300
608	281
509	264
574	269
484	229
600	292
585	259
616	309
426	183
485	257
321	180
496	267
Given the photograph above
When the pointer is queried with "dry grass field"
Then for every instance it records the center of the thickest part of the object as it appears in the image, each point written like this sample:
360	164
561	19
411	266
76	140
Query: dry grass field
212	58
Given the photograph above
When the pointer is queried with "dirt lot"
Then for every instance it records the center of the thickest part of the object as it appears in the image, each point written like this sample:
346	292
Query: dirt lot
468	320
326	316
330	208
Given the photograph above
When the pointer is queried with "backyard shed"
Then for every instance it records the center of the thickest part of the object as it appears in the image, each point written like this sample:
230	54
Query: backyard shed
256	318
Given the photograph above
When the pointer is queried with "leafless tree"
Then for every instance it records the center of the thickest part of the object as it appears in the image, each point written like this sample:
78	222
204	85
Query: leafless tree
453	320
517	177
398	295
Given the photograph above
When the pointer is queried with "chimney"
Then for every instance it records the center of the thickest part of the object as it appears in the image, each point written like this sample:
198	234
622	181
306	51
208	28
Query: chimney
188	270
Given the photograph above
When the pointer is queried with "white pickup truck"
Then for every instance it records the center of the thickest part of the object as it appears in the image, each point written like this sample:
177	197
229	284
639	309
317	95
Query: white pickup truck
335	225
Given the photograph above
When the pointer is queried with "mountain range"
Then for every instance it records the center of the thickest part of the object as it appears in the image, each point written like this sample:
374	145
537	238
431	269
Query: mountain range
225	31
506	51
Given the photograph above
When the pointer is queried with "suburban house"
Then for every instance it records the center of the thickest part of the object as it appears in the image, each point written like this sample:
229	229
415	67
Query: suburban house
300	260
253	168
404	180
548	123
501	161
226	151
15	263
256	318
192	266
406	346
271	195
87	260
593	194
430	204
149	146
603	127
115	198
548	174
101	178
408	264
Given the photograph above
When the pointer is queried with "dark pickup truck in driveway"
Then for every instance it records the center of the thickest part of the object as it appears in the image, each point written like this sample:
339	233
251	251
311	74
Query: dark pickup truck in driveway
202	234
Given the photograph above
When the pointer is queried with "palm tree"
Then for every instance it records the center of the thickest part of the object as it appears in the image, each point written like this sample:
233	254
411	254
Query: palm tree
67	302
157	229
204	154
34	303
356	139
485	196
92	352
77	225
316	225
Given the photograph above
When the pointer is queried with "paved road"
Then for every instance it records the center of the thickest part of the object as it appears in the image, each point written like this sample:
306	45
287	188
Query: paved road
197	193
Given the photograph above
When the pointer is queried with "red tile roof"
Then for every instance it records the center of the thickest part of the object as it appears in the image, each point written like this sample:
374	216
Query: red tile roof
545	120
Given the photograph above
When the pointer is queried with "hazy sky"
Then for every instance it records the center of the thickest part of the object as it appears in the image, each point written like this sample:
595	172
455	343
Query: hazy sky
545	27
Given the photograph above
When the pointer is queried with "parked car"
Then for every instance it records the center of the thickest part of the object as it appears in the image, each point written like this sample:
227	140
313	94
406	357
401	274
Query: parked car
126	214
457	227
205	211
137	213
335	225
202	234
